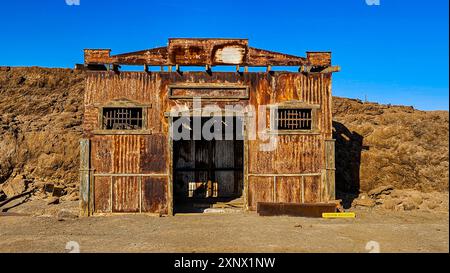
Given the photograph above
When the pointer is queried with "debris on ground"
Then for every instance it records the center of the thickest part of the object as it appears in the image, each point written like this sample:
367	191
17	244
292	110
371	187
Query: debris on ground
53	201
65	214
388	198
15	186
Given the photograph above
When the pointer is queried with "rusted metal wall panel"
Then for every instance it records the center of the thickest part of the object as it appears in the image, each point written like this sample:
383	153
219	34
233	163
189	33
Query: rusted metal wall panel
261	57
102	194
90	120
125	194
141	88
153	154
261	189
208	92
154	194
292	154
318	58
312	189
96	55
288	189
146	154
102	154
126	153
154	56
104	87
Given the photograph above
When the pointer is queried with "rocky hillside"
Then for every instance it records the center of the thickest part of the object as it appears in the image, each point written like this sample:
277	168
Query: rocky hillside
40	125
390	145
41	116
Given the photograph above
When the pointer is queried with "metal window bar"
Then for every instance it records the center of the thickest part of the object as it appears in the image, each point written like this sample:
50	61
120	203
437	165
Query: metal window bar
293	119
122	118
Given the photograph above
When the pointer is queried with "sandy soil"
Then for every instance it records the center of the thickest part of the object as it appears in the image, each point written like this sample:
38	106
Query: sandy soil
395	231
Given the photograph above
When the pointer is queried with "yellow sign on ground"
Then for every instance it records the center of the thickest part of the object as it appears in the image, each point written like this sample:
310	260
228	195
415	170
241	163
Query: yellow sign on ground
338	215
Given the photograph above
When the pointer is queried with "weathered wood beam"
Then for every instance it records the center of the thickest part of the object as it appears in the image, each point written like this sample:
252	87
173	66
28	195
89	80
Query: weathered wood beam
294	209
312	69
331	69
15	197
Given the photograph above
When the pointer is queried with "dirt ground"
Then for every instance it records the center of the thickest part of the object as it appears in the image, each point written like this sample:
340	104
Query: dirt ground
394	231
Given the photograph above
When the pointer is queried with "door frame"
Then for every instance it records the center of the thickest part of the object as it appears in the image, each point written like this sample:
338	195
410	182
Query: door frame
170	195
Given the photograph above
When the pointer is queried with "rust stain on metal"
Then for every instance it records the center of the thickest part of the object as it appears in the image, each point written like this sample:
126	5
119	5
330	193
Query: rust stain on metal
153	154
289	189
125	197
102	194
154	195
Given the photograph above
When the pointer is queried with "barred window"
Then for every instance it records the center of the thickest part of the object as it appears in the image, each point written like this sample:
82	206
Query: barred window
119	118
293	119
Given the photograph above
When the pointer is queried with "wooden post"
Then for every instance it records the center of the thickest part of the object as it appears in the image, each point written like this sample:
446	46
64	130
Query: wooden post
246	187
84	177
170	209
328	189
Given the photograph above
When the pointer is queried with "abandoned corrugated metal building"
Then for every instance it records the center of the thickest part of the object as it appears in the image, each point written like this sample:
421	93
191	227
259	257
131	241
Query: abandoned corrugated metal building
279	148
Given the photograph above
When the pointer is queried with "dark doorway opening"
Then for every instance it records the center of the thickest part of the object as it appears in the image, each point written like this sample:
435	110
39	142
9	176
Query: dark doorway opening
207	172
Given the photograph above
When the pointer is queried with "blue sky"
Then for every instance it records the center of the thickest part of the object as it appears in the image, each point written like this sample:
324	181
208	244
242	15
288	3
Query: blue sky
396	52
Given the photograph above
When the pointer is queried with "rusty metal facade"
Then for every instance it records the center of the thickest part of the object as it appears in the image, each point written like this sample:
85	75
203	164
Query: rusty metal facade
131	171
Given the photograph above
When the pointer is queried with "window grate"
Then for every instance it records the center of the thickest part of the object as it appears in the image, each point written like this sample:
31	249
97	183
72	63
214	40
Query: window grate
293	119
122	118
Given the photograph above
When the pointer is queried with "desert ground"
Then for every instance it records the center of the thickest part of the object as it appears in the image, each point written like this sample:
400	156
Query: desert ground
395	231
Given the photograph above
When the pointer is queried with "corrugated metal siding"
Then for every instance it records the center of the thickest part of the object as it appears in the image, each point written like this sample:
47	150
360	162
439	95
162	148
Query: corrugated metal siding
102	194
154	194
288	189
125	194
153	152
148	153
90	120
101	154
312	189
134	154
126	155
261	189
293	154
